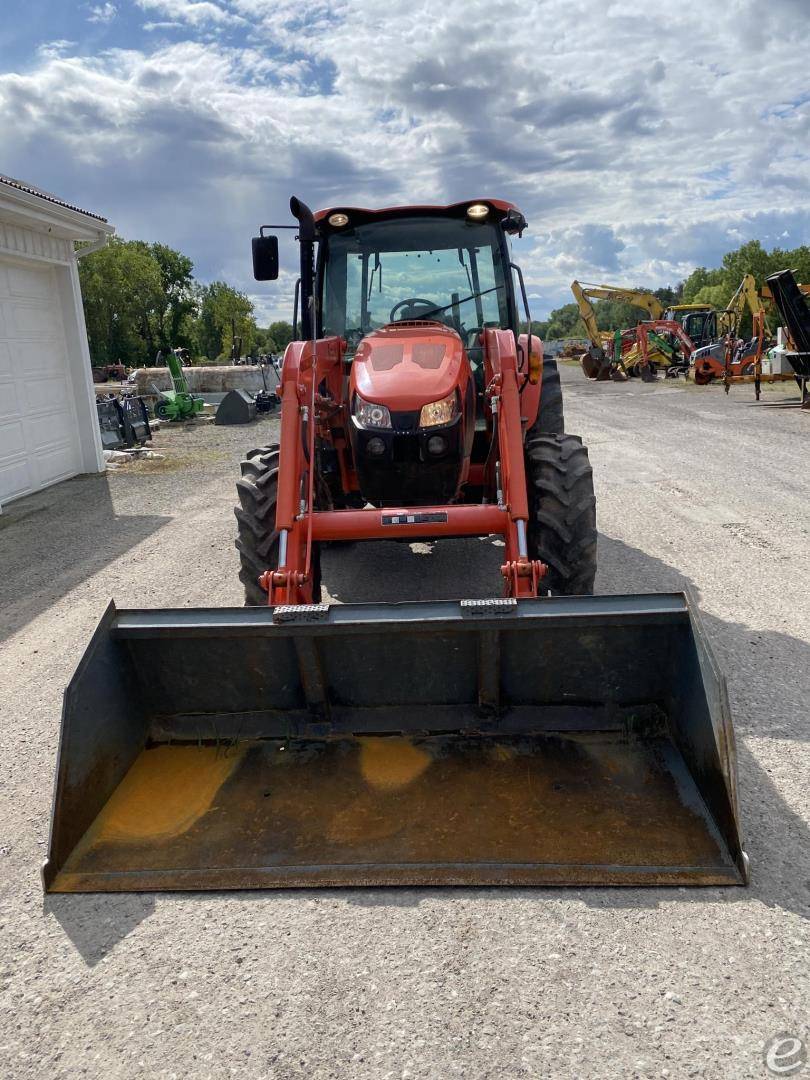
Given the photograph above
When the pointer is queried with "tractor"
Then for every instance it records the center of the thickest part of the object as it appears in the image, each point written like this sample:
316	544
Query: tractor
518	739
413	407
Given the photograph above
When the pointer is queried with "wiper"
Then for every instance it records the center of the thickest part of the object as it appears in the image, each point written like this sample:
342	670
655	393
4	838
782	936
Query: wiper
454	303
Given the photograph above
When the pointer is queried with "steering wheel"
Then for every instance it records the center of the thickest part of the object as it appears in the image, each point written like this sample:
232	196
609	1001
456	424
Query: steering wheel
411	304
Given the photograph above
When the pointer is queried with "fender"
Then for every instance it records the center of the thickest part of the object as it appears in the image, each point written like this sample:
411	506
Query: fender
498	344
531	391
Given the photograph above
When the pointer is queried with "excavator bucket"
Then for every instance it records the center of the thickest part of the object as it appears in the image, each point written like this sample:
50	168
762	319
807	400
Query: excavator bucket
557	741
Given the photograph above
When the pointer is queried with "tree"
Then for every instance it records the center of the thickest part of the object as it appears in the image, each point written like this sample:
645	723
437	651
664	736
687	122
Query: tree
173	314
279	336
223	310
669	296
750	258
699	279
121	287
564	322
719	296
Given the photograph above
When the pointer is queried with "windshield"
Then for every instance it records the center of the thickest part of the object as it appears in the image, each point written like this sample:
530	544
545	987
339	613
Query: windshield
417	267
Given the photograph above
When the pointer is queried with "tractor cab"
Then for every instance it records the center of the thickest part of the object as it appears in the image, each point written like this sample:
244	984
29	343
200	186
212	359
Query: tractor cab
447	268
411	293
699	322
362	270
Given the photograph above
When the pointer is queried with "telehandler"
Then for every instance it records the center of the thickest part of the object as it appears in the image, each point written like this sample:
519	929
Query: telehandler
177	403
527	738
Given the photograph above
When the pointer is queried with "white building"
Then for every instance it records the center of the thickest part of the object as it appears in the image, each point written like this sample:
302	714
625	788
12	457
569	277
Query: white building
48	423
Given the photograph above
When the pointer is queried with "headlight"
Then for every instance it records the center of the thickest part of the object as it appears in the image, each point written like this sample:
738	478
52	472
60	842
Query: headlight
370	415
439	412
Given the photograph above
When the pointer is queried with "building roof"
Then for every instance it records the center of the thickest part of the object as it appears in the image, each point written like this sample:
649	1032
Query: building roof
29	189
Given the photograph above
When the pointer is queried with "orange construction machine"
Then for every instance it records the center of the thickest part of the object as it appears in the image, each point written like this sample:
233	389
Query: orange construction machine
523	738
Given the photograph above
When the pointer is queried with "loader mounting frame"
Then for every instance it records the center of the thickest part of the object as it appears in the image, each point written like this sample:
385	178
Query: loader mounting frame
313	406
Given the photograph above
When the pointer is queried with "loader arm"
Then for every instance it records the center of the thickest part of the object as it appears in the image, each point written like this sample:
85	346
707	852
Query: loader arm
300	523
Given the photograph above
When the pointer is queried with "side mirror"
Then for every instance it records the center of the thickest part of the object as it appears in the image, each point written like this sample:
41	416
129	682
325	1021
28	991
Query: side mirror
265	258
513	222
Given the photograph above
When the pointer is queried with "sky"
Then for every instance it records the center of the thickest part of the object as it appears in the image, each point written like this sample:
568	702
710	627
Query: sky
638	142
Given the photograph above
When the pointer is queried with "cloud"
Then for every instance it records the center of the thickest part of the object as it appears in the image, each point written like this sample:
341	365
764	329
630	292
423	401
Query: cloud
193	12
631	171
102	13
52	50
593	247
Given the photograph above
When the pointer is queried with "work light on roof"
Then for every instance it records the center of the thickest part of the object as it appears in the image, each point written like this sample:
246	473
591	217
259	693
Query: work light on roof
477	212
337	221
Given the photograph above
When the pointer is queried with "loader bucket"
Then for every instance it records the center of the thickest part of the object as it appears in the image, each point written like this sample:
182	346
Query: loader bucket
559	741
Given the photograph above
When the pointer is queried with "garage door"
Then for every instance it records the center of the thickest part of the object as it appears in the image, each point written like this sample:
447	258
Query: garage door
39	442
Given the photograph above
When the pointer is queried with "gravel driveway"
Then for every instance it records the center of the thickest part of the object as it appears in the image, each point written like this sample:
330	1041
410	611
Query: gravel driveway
695	490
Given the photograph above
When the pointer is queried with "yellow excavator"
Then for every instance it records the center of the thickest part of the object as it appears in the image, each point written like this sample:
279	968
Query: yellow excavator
610	356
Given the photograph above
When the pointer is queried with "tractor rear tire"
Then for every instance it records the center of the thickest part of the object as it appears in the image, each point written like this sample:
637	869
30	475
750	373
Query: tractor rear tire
257	539
562	513
550	417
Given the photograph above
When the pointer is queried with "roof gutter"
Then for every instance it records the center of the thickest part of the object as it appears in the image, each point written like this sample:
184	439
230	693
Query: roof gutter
94	245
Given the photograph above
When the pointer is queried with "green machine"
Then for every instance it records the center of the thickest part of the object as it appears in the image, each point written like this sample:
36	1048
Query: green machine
178	403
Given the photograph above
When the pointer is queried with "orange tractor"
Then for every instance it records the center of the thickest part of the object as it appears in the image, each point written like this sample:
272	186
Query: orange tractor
525	738
427	408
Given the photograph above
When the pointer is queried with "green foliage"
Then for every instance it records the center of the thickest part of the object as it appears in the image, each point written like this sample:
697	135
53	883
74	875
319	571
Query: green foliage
121	287
701	279
223	312
719	296
176	310
750	258
275	338
564	322
141	298
616	314
668	296
279	336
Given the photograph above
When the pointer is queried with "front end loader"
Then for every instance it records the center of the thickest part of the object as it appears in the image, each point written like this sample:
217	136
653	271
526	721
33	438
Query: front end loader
520	739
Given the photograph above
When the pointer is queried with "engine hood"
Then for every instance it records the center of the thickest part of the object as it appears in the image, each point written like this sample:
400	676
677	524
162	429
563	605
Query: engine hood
407	365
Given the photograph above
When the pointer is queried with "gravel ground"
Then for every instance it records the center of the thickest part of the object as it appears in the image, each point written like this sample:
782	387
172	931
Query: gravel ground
695	489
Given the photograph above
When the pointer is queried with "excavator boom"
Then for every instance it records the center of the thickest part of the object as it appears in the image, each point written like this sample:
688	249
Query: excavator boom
596	363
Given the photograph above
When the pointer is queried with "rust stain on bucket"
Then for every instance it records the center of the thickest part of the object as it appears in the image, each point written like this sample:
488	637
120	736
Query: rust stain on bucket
166	791
388	764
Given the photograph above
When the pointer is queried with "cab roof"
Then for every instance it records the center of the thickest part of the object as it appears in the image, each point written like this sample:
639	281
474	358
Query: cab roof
504	213
496	204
